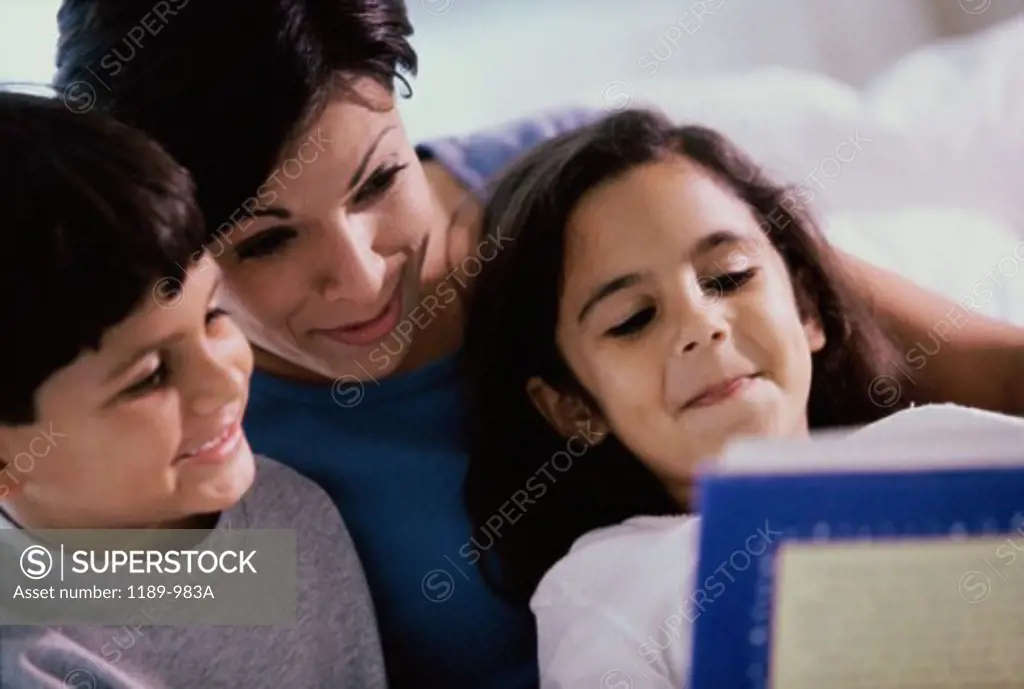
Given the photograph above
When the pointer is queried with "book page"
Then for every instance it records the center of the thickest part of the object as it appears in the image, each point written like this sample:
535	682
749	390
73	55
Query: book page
909	613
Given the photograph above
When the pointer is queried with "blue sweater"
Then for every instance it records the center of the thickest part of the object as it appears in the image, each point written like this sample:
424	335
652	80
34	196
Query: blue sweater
394	467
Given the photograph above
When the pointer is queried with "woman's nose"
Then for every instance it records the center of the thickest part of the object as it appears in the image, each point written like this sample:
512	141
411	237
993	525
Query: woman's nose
349	267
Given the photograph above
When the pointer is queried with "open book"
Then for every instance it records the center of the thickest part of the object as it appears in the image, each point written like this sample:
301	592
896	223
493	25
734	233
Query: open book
877	559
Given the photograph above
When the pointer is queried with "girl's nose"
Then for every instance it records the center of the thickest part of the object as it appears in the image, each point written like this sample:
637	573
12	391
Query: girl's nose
702	323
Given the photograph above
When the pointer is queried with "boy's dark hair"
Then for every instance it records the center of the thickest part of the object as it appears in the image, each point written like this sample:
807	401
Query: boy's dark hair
224	86
516	458
94	214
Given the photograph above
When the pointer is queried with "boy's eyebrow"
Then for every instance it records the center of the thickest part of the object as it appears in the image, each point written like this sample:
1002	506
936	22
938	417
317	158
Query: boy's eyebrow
162	343
272	211
703	245
139	353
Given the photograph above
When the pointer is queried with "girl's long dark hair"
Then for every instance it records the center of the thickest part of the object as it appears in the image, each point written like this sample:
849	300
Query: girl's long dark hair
530	492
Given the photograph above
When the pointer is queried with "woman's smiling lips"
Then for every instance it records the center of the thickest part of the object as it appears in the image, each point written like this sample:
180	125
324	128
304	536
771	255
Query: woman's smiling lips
373	330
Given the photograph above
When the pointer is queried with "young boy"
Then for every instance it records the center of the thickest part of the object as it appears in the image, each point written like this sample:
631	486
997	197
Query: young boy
123	387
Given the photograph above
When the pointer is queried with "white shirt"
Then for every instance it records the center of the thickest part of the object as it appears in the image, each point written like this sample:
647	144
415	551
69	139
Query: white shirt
614	612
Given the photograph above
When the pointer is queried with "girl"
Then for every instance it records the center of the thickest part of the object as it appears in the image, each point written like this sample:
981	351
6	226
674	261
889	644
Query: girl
658	298
346	249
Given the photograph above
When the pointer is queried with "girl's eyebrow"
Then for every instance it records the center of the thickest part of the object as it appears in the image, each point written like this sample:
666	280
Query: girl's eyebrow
707	243
606	290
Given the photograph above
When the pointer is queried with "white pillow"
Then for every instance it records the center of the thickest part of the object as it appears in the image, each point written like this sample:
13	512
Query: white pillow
970	258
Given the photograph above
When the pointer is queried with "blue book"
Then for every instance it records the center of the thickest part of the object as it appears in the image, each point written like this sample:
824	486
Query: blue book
831	564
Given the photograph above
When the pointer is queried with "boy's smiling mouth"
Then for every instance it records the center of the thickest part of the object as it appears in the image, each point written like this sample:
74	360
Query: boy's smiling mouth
219	444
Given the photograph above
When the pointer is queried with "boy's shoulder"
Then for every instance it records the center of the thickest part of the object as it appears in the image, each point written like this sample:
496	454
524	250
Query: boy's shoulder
282	498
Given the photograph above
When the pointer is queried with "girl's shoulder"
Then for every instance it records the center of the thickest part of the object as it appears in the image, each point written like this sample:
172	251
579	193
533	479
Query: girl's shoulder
600	605
931	417
606	564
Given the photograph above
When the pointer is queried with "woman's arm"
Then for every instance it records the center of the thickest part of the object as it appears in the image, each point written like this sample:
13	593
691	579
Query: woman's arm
949	352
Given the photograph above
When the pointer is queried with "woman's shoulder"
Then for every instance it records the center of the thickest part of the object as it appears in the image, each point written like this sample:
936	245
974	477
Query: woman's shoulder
474	159
612	563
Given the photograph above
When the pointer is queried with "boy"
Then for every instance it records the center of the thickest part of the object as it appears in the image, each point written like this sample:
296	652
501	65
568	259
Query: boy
122	396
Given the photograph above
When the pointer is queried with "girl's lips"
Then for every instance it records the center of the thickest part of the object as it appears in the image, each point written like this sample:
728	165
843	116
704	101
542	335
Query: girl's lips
219	449
372	330
720	392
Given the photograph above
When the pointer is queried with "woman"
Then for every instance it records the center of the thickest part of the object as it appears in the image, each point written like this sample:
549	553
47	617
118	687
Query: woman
346	253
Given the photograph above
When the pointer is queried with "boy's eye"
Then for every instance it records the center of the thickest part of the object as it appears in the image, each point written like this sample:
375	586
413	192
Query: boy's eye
378	183
214	314
265	243
634	324
153	381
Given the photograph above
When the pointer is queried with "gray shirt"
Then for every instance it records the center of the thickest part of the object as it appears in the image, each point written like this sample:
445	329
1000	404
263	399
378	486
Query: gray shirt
333	643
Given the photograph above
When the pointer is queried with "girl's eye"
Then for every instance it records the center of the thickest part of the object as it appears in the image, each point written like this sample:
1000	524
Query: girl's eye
634	324
730	282
154	381
265	243
382	179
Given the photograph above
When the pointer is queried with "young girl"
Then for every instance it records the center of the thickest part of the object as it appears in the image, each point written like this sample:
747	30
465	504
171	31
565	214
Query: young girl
657	296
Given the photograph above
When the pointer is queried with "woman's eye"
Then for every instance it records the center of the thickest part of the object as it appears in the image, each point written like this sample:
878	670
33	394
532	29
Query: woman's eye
634	323
153	381
729	282
265	243
378	183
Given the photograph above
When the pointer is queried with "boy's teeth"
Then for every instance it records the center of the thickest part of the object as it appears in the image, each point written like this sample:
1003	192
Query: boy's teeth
208	444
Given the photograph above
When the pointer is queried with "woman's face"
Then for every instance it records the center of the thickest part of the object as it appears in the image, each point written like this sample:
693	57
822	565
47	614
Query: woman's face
679	317
332	260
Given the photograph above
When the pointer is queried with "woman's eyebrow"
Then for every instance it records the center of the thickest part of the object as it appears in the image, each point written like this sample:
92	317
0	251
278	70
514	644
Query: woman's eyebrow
358	174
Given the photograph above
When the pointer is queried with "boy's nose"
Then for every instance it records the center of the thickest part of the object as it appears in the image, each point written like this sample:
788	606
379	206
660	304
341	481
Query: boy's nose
221	393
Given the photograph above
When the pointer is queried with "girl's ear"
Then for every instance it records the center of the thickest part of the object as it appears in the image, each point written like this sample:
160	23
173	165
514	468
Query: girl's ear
567	414
814	332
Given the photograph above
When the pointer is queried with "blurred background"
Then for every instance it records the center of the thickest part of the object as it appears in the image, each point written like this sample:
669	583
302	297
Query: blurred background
484	60
904	117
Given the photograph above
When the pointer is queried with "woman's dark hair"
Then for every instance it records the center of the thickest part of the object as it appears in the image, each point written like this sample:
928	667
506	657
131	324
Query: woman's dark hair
225	85
95	217
519	466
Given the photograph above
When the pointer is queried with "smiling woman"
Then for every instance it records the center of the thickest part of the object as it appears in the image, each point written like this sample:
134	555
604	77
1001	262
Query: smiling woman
346	253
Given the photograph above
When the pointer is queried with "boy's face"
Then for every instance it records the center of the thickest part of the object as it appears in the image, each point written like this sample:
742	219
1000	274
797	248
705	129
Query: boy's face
144	432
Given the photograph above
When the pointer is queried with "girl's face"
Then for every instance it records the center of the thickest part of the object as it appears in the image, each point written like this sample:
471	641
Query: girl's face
332	261
680	319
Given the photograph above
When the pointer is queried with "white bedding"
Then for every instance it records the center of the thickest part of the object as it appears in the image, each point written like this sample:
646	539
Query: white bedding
933	187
